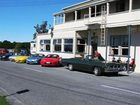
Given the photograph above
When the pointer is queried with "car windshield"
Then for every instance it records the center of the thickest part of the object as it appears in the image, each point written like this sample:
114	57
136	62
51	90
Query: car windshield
52	56
88	57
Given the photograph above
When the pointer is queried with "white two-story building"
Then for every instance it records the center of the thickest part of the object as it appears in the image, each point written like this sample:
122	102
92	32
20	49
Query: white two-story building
110	26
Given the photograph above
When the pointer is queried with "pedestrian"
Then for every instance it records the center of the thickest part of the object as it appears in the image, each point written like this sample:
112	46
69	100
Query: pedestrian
98	56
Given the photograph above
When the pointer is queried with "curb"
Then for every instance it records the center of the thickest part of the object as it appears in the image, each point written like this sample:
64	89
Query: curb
12	100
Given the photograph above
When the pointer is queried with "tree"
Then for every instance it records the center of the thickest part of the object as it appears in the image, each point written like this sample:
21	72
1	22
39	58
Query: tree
22	46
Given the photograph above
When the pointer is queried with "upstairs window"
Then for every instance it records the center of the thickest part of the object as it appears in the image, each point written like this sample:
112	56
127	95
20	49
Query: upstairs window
119	6
136	4
59	19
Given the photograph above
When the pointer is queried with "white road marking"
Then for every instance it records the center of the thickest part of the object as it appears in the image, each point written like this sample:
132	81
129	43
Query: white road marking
121	89
33	69
11	97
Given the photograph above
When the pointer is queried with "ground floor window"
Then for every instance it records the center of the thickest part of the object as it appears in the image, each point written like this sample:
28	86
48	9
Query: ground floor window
68	45
119	44
57	44
80	45
47	45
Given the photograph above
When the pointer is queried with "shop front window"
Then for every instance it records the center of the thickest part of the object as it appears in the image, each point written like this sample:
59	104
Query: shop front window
57	45
47	45
68	45
80	45
119	44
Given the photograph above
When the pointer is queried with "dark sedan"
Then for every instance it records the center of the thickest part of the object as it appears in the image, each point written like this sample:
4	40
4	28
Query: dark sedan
96	66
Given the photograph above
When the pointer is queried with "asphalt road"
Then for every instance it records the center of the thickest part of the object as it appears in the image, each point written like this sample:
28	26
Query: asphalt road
58	86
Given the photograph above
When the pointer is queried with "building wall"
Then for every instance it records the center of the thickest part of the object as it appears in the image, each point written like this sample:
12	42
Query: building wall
134	48
38	46
33	47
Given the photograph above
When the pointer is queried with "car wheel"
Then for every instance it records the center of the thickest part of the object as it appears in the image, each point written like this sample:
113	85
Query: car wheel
115	73
70	67
42	66
97	71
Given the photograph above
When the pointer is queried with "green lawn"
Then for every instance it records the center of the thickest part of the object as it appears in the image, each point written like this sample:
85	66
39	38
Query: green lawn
3	101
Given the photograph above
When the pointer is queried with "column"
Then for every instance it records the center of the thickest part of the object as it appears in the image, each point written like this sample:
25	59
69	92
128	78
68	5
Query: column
75	15
89	43
95	10
54	20
64	18
107	9
51	45
75	44
62	45
130	5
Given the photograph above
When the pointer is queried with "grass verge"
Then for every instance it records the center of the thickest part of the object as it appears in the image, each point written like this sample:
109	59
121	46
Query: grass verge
3	101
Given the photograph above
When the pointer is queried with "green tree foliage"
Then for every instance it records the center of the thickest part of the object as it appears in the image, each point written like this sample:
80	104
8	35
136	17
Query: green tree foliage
17	46
22	46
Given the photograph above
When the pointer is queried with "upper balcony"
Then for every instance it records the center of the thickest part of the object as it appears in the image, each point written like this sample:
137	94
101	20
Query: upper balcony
117	11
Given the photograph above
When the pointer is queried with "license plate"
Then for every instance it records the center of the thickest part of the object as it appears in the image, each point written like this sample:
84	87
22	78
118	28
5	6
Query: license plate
48	62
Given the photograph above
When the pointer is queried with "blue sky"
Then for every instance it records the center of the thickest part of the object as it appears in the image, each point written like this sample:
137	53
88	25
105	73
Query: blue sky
18	17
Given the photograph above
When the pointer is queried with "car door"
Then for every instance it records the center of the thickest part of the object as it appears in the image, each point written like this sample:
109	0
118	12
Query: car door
82	65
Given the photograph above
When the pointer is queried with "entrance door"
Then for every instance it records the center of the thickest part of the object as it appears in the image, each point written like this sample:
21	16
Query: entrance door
94	44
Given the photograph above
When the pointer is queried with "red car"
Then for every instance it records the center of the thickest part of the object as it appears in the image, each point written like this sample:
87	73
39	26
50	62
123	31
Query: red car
51	60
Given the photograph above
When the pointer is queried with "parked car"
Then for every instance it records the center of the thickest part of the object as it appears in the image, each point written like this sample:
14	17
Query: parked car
96	66
13	57
51	60
3	51
21	59
5	56
34	59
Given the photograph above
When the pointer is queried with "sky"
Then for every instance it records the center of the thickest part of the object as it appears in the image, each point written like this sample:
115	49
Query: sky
18	17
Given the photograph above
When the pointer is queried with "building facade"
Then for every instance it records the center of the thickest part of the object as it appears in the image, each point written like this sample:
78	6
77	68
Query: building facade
110	26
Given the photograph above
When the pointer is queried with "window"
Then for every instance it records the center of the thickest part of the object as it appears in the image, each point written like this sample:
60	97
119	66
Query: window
119	44
47	45
136	4
80	45
68	45
100	9
119	6
57	45
34	45
46	41
93	11
59	19
69	16
41	42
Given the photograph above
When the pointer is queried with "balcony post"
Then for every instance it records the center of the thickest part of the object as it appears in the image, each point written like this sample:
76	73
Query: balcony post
95	10
64	18
89	12
75	15
107	9
130	5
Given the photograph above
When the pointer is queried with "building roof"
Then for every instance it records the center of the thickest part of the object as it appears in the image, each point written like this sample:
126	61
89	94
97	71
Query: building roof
79	5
